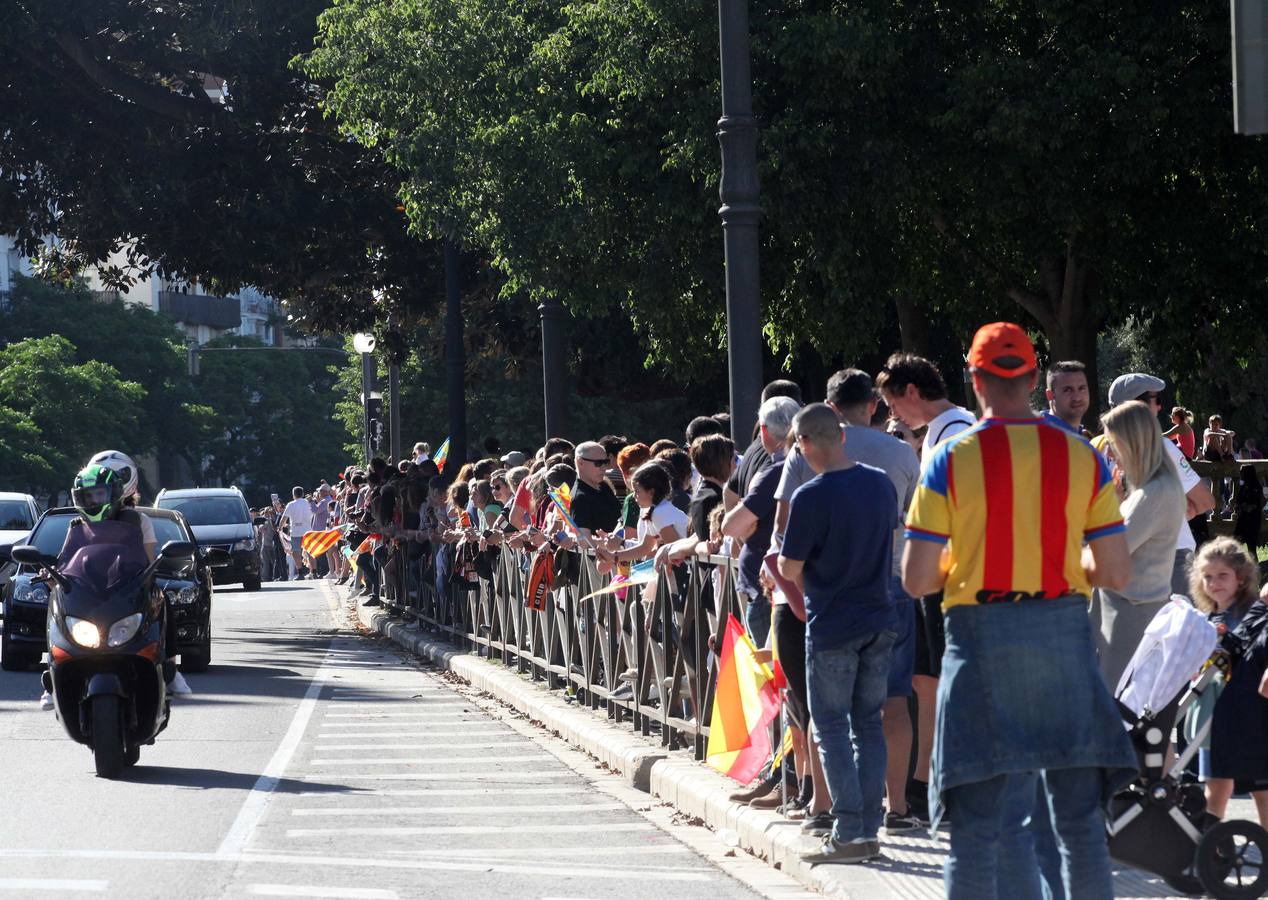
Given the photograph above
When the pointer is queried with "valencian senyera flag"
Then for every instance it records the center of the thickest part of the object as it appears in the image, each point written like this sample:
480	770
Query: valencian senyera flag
744	705
315	543
441	455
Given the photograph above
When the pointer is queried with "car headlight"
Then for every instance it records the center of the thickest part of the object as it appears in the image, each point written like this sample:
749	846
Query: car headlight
248	544
181	596
83	632
29	592
123	631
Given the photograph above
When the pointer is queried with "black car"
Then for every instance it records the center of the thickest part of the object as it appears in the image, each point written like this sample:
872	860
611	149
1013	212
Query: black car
186	584
219	517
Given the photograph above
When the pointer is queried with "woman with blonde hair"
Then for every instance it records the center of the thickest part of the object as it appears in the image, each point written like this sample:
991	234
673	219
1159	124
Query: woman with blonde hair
1153	508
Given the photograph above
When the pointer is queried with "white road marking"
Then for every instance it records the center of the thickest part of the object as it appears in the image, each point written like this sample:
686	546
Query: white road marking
429	722
302	890
493	745
392	715
426	760
472	775
456	810
448	792
411	830
441	863
367	735
252	811
53	884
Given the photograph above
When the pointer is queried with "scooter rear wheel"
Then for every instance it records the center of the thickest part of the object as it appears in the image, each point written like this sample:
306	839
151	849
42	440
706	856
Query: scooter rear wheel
107	736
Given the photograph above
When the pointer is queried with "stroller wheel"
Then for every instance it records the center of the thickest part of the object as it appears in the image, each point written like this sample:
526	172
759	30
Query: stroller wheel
1232	860
1186	883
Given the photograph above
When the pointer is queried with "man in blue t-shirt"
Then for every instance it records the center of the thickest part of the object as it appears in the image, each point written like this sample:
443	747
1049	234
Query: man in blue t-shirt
838	549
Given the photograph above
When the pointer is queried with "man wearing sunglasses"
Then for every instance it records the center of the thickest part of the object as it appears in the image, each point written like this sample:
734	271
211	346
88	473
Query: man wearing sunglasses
594	505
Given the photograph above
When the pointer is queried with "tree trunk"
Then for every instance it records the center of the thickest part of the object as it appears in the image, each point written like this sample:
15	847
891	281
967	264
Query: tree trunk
455	359
913	326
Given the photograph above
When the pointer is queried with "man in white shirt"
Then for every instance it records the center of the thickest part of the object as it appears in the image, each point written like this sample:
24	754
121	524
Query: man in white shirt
913	388
1198	498
299	512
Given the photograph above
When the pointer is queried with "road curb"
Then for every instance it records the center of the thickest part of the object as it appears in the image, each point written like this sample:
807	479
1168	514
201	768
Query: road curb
691	788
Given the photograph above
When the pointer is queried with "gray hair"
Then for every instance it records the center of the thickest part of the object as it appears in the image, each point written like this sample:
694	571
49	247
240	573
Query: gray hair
587	447
776	416
818	424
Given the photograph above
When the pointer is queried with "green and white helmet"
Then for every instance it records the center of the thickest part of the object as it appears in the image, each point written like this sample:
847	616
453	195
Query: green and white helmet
98	493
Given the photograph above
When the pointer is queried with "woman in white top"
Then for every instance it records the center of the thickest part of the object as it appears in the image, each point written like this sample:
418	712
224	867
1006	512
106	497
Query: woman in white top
659	521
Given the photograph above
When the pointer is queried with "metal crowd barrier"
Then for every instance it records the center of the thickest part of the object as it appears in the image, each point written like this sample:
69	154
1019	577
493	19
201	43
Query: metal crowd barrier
645	662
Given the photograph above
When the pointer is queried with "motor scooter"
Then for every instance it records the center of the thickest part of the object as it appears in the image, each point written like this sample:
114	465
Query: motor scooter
108	670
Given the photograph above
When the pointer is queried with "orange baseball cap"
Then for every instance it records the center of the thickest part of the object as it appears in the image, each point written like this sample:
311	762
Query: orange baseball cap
1003	349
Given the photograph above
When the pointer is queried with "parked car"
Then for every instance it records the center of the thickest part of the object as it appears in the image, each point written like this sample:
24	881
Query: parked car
18	513
220	518
186	585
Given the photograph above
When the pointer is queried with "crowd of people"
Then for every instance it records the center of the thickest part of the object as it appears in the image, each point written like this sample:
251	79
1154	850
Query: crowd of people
952	599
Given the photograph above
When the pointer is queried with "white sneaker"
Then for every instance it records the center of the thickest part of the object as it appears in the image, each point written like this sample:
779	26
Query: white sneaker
46	701
179	685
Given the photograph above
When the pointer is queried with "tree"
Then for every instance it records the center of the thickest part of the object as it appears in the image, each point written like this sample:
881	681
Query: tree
1067	165
273	425
22	466
77	409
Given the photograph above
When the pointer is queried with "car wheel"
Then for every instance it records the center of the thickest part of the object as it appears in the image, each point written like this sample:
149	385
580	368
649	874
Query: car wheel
197	660
12	659
251	583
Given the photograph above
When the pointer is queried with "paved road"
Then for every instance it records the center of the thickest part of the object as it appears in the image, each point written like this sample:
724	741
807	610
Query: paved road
313	762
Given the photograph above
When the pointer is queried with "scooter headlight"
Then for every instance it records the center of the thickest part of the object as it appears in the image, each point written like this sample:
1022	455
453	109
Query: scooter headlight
84	633
123	631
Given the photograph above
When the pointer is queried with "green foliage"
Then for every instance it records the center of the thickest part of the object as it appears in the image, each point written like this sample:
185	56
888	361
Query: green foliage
22	465
77	409
268	419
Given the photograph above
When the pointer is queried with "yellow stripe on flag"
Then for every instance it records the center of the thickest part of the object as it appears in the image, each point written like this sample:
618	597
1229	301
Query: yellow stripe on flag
744	704
316	543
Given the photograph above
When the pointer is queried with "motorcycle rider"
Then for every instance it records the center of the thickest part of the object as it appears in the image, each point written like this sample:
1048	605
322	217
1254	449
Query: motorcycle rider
105	496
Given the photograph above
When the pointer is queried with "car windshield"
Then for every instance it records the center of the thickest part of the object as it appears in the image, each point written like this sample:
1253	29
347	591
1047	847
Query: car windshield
208	510
50	534
167	530
15	515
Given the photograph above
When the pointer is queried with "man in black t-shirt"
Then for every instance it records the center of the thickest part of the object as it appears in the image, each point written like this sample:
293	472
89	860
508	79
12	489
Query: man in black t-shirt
594	505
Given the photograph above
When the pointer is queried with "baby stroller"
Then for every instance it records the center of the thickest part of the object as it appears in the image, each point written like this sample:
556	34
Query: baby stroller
1159	823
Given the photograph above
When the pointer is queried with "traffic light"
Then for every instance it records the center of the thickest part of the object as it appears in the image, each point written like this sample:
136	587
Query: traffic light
373	405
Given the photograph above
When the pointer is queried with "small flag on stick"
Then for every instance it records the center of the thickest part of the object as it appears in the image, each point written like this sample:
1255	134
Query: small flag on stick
441	455
744	705
317	543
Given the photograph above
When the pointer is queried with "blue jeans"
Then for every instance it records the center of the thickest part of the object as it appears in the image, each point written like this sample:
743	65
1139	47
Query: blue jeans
757	618
1069	831
847	687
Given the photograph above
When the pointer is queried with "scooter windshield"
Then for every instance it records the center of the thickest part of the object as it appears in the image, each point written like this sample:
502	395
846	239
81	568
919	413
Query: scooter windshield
102	568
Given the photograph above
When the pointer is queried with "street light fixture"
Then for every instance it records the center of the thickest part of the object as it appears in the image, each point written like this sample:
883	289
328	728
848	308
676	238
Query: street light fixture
371	400
740	212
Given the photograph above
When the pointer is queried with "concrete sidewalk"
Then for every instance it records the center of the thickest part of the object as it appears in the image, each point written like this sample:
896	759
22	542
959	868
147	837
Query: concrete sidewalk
912	865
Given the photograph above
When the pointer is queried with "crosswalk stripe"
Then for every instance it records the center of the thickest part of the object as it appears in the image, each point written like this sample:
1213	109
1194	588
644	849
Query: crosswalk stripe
304	890
367	735
426	760
519	829
520	791
392	715
85	885
472	810
480	774
493	745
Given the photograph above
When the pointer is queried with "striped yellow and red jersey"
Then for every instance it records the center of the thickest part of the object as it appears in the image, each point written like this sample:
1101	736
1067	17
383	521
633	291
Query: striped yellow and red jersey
1015	499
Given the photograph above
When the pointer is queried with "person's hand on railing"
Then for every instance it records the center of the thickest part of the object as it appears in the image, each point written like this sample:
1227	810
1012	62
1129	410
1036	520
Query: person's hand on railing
674	554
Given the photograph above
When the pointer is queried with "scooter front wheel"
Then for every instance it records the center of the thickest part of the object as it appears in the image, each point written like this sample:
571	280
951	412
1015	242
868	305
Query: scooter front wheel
107	735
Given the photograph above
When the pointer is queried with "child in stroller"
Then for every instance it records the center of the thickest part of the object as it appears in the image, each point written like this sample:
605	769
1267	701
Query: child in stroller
1158	823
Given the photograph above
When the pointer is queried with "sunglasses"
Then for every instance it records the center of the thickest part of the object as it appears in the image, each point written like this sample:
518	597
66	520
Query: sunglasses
594	462
1151	395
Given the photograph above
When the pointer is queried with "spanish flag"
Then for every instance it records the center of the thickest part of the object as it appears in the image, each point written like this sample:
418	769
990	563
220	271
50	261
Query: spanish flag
744	705
315	543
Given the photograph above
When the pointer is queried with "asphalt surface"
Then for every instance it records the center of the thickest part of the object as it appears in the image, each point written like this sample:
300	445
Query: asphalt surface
314	762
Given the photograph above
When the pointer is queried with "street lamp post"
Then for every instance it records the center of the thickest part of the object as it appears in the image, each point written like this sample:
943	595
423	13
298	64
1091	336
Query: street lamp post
554	368
371	399
740	212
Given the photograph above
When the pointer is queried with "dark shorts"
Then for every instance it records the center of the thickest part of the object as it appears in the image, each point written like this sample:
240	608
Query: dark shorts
931	636
790	639
902	658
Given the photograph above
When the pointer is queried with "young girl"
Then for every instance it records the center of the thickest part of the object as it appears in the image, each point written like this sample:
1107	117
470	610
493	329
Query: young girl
1225	584
1181	431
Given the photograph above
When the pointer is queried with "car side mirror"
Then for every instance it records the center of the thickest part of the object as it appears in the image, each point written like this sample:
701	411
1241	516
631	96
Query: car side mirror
177	550
31	556
216	557
259	520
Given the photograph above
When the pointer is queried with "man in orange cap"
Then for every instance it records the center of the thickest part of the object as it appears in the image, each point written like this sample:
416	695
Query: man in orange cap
999	522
